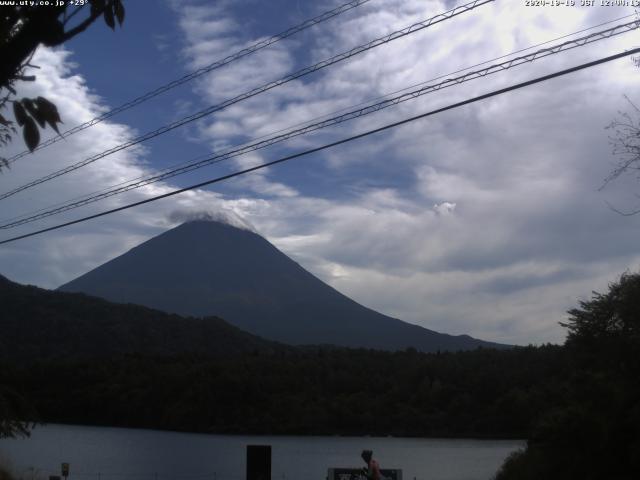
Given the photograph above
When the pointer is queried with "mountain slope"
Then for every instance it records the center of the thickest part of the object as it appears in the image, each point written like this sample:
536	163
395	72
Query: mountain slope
209	268
43	324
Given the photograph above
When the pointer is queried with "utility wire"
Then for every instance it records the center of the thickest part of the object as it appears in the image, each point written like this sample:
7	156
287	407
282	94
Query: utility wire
499	58
256	91
334	112
198	73
326	115
113	188
336	143
369	109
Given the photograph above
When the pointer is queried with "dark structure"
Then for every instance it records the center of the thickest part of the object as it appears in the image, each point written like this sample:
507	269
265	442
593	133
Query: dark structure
258	462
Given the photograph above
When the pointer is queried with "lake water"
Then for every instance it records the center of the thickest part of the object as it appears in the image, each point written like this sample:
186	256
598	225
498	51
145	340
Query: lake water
98	453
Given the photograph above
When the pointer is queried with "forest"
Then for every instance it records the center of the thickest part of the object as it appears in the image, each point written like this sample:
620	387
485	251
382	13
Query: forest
577	404
484	393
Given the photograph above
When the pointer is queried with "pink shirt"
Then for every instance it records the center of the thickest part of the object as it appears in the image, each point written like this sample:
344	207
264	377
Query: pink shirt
374	470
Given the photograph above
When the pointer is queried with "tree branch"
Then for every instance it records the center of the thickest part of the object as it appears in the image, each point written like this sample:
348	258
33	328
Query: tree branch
81	27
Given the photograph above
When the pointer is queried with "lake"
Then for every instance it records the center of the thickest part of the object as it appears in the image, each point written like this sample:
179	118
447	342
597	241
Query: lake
100	453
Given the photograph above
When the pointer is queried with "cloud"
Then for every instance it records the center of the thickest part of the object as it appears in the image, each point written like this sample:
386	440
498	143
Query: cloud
223	215
444	208
483	220
516	231
530	234
54	259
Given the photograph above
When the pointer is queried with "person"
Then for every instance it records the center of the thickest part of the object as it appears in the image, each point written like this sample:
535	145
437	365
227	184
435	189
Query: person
372	472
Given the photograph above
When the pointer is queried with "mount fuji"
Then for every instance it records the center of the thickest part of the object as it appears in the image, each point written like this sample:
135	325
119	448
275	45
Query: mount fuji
210	268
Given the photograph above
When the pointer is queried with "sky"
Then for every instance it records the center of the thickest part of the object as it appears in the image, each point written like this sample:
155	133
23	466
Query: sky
488	220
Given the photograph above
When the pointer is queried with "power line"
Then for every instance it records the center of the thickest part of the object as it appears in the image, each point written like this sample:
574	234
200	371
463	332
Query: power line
198	73
336	143
512	53
145	180
256	91
326	115
357	113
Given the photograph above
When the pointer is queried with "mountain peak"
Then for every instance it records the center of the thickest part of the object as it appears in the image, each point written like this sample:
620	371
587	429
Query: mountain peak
224	216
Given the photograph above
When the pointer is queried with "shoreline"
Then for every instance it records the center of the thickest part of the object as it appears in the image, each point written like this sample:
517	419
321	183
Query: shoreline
279	435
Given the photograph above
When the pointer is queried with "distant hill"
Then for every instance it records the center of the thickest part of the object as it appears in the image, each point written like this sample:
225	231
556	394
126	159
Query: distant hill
40	324
204	268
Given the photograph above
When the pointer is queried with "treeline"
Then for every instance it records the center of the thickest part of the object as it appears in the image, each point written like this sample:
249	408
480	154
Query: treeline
482	393
42	324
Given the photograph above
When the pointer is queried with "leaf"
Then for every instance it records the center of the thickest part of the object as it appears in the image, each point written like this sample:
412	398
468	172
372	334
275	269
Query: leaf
97	6
49	107
4	121
118	9
108	18
31	134
35	112
49	113
20	114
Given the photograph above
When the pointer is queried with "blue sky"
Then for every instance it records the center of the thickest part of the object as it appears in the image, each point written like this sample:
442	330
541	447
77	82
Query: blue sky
486	220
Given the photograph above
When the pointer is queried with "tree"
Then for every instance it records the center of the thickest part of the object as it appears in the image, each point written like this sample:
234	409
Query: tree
625	142
594	432
614	315
22	29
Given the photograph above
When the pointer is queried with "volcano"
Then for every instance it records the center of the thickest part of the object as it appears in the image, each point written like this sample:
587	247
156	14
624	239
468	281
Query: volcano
209	268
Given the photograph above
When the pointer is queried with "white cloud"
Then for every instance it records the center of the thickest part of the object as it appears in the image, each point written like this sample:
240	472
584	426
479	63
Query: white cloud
58	257
220	214
444	208
518	171
484	220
